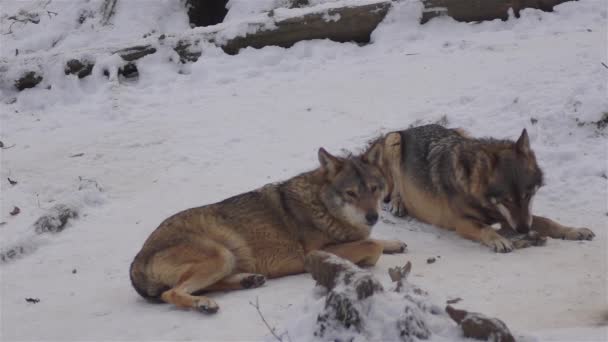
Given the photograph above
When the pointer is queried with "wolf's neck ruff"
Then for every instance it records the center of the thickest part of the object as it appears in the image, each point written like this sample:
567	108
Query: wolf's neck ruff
302	192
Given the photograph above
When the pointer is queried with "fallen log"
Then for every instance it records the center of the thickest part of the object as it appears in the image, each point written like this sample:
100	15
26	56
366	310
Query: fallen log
342	24
283	27
481	10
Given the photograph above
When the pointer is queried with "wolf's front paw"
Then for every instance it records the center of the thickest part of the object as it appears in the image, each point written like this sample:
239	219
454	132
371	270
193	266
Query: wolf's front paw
207	305
578	234
393	246
499	244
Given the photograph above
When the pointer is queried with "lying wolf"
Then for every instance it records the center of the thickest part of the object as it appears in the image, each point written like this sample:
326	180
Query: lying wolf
239	242
446	178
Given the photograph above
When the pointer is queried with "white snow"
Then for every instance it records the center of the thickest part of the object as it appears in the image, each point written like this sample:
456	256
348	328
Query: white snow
187	135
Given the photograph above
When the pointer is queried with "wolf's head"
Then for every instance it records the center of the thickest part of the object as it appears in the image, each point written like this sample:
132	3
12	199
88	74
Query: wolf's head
515	179
353	187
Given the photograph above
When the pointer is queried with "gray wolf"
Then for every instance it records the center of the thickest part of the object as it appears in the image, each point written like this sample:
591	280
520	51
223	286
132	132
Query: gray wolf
265	233
446	178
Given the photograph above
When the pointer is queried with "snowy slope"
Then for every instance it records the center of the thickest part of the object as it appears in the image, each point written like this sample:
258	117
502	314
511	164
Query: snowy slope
183	136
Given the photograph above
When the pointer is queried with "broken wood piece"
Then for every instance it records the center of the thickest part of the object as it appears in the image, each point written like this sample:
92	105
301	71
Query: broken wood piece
398	273
480	327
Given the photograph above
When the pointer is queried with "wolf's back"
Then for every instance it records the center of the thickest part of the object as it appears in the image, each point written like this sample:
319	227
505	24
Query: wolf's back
424	146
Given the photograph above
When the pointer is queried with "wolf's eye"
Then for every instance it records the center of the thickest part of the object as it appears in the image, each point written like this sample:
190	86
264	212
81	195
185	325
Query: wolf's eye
373	188
351	193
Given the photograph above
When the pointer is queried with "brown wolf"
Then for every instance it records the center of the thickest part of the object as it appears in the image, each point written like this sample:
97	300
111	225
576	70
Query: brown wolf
446	178
239	242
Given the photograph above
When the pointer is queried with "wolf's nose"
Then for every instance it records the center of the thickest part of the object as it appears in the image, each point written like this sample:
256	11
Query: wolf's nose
371	218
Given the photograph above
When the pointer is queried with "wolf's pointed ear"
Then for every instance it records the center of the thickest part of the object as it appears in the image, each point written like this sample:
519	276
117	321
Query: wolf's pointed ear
373	155
328	162
523	143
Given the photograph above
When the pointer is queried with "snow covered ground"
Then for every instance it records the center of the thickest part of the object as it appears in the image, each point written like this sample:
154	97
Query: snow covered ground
187	135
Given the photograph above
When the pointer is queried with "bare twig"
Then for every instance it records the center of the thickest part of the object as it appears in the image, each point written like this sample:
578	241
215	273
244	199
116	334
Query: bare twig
270	328
27	17
107	9
605	66
38	201
7	147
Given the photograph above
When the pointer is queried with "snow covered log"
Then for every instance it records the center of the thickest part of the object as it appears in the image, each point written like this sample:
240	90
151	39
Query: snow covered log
480	10
341	309
341	24
356	302
282	27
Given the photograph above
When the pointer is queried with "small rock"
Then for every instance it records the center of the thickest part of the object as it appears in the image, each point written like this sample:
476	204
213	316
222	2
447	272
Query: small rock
431	260
80	68
74	271
129	70
15	211
28	80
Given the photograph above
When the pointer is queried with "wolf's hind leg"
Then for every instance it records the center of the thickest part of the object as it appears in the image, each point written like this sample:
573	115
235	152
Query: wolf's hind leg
239	281
195	269
550	228
485	235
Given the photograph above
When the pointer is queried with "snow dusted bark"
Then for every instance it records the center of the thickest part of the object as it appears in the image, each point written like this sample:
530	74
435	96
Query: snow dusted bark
351	303
480	10
480	327
342	24
358	306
